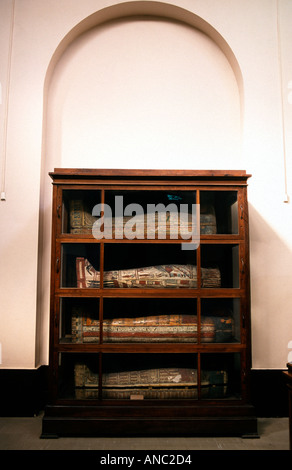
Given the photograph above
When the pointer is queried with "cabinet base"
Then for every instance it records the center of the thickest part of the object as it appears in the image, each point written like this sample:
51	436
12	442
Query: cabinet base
109	422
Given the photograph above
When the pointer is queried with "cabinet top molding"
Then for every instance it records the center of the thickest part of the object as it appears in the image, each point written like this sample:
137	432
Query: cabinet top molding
88	173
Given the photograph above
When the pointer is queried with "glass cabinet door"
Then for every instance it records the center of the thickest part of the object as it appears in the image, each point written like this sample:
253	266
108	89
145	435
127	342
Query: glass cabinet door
155	266
79	265
77	210
151	214
220	320
219	212
221	376
223	259
149	376
78	320
120	238
78	376
127	376
150	320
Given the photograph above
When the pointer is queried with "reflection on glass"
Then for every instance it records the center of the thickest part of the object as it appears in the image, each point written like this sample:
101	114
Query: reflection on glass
220	376
74	257
78	376
77	210
219	211
149	214
220	320
149	266
79	320
151	376
147	320
224	260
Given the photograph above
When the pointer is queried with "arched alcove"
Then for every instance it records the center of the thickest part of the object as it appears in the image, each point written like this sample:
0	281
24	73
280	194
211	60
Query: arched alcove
172	70
143	92
138	85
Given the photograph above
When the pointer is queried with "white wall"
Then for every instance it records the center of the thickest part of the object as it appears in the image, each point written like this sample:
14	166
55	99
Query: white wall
143	92
72	97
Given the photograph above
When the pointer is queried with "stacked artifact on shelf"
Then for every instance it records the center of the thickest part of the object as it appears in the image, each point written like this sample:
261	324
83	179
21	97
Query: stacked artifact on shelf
162	276
82	220
151	329
159	383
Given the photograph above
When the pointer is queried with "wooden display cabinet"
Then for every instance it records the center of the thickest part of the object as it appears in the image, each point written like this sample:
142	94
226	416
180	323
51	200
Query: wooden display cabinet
150	304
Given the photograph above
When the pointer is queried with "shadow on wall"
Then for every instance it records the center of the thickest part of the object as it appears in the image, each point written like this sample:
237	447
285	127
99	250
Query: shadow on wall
271	294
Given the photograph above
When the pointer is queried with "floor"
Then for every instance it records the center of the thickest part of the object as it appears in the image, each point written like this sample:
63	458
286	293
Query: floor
24	434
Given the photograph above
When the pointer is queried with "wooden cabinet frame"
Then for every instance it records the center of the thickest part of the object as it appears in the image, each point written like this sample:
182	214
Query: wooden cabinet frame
68	415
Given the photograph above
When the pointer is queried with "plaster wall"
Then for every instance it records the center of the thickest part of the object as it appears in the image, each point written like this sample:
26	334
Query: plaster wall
209	82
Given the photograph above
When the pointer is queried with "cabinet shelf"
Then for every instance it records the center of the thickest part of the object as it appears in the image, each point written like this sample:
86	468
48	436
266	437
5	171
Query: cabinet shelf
153	348
94	292
203	239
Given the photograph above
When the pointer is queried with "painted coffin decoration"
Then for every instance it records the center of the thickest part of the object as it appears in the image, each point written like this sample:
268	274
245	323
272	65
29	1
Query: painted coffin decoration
160	383
81	221
151	329
162	276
